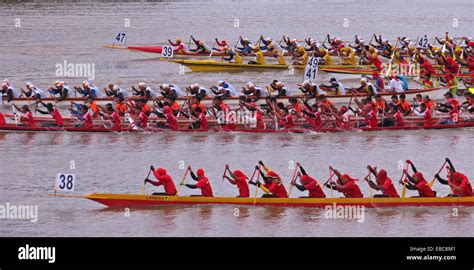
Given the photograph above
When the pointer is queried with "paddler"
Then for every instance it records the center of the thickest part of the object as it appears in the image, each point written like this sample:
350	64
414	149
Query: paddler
201	47
223	89
61	88
255	114
225	116
33	91
452	107
144	91
180	46
254	92
27	117
170	91
278	87
89	90
404	105
393	118
196	90
378	80
345	184
273	183
395	85
246	45
199	121
425	113
458	182
335	87
308	183
54	112
84	116
369	111
382	183
366	87
232	56
374	59
203	183
9	91
417	182
113	90
171	120
313	116
259	57
310	89
270	46
164	179
112	115
285	119
239	179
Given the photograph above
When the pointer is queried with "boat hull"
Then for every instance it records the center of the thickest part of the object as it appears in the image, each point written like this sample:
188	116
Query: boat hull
130	200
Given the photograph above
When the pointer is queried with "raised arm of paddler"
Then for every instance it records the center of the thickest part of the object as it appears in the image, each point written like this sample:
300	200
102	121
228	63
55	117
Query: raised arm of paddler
264	167
412	165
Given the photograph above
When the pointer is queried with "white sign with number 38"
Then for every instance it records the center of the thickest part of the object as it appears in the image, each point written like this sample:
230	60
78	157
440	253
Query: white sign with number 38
65	182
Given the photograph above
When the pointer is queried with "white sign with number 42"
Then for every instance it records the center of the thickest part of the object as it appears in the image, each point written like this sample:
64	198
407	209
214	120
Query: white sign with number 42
65	182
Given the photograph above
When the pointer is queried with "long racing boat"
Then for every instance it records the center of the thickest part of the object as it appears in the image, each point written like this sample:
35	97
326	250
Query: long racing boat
140	200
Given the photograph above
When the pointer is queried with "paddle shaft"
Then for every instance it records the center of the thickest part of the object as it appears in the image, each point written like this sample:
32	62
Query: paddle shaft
142	190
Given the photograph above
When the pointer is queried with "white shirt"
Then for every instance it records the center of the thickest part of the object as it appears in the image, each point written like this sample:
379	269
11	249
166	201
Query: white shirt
178	90
396	86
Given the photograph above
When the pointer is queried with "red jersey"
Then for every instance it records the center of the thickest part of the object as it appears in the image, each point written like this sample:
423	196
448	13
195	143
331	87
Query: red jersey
278	189
205	186
30	119
166	181
204	126
260	123
2	119
424	189
351	190
371	118
312	186
389	189
58	119
117	124
428	118
88	120
287	122
399	122
143	123
172	121
242	185
464	185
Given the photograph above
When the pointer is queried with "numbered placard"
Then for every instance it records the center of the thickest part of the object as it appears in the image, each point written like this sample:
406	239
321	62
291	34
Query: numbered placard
65	182
422	43
121	37
311	70
167	52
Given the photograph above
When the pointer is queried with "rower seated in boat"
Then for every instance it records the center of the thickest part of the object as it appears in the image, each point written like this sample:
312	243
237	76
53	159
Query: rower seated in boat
300	55
378	81
366	87
269	46
171	120
89	90
113	90
334	87
199	121
239	179
170	91
468	105
232	56
458	182
254	92
60	88
54	112
368	110
278	87
345	184
245	45
425	113
342	117
33	91
273	186
253	115
382	183
202	183
9	91
312	113
110	117
3	121
144	91
394	117
201	46
259	57
162	179
198	91
27	117
308	183
225	116
223	89
417	182
452	107
180	46
285	119
310	89
83	115
295	107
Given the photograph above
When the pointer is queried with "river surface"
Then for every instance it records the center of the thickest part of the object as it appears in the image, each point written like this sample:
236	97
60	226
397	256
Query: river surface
53	32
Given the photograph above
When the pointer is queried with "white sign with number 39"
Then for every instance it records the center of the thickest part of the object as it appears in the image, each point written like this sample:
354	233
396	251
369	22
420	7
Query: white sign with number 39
167	52
65	182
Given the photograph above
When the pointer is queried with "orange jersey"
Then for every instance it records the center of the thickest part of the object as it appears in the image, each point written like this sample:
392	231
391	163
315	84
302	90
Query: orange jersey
122	108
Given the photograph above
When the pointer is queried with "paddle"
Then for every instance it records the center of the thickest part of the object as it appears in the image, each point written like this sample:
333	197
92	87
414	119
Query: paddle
142	190
256	186
182	182
293	180
439	171
367	178
404	189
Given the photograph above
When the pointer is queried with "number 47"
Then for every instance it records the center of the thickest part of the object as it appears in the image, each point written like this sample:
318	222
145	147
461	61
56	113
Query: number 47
120	37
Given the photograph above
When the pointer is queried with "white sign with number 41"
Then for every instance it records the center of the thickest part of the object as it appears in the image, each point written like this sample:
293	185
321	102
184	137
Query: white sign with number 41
65	182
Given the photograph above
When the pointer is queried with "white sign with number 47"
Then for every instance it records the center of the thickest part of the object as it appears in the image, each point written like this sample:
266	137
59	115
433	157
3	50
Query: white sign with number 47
65	182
